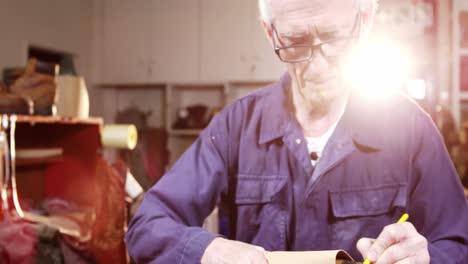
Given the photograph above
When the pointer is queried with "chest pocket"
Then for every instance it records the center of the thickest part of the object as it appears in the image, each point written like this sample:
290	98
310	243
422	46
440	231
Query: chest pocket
260	218
364	212
257	189
367	201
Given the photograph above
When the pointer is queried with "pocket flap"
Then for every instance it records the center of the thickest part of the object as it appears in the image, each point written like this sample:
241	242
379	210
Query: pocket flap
257	188
368	201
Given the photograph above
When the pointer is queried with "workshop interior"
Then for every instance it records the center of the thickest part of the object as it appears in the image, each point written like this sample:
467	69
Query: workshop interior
100	98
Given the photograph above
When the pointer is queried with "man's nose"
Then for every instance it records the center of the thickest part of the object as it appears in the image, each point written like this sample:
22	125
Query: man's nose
317	64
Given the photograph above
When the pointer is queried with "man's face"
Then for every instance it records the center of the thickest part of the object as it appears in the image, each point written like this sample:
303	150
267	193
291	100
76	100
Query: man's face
312	22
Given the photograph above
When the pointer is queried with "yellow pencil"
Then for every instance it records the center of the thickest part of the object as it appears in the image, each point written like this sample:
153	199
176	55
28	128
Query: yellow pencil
402	219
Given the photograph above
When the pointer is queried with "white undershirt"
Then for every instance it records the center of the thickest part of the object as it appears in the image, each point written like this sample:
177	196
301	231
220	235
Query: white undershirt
317	144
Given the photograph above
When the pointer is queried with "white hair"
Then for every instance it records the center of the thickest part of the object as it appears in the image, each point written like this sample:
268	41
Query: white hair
265	8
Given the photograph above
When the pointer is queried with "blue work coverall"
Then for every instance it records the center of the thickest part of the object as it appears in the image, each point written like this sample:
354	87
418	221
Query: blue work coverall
384	158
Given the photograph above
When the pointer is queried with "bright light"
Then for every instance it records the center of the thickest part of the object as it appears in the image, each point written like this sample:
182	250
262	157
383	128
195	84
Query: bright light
416	89
378	68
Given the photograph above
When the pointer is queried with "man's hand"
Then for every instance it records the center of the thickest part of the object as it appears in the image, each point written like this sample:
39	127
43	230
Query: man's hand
224	251
398	243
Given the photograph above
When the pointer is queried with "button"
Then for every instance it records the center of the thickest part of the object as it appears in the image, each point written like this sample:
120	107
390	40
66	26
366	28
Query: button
314	155
298	141
213	137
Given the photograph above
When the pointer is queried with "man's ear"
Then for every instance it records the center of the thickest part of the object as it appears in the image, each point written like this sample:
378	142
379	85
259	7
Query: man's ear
268	31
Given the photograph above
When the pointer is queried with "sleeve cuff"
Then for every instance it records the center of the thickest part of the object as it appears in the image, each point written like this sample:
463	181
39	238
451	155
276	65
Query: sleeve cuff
196	246
446	254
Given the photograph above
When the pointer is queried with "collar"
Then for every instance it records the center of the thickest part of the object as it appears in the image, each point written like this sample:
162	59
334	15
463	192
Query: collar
359	123
362	123
277	111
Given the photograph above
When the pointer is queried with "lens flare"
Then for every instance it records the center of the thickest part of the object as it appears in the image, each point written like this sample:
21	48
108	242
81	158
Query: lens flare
378	68
416	89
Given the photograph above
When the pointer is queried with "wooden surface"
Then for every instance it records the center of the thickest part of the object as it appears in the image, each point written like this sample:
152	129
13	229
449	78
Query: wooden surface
56	119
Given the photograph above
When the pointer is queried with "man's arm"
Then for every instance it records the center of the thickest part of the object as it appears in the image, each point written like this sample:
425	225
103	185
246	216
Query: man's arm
438	204
166	227
438	210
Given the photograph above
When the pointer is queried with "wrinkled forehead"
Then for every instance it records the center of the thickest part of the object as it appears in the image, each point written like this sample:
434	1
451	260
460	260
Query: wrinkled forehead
296	16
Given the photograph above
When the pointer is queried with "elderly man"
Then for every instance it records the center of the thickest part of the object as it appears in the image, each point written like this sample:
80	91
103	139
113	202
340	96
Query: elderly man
309	164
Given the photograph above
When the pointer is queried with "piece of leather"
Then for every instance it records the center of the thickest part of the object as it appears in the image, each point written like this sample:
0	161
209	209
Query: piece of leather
38	87
307	257
13	104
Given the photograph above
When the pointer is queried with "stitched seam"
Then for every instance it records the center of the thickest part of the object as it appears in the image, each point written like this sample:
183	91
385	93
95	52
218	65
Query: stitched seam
251	202
283	231
259	175
249	197
186	244
380	187
364	212
357	211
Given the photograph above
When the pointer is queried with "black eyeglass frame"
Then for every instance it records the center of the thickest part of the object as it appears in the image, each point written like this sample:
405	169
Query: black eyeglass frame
354	35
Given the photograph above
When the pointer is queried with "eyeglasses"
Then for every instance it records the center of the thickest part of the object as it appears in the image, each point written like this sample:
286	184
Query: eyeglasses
331	50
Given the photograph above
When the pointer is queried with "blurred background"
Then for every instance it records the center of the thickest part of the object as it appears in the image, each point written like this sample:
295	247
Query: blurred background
168	66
